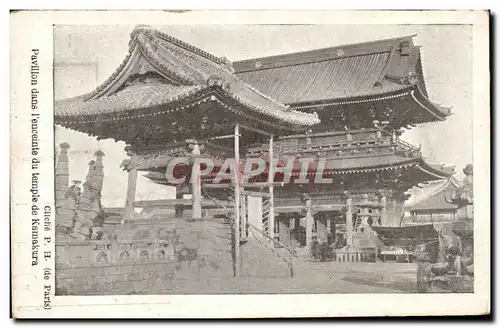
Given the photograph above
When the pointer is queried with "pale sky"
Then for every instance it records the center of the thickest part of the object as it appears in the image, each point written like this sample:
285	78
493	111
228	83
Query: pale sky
86	55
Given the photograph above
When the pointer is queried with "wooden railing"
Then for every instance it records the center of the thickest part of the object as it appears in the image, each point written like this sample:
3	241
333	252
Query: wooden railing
349	147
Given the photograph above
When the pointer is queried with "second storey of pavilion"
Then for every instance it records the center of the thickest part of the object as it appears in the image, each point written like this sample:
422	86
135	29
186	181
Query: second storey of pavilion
349	86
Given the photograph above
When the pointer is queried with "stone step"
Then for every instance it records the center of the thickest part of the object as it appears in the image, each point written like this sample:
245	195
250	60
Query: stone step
259	259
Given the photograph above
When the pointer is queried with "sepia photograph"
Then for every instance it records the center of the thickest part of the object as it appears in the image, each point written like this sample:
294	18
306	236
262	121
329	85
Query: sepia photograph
256	159
238	164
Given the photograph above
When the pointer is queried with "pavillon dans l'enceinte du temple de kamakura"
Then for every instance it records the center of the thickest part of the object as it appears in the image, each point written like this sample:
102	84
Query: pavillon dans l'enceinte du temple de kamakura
333	115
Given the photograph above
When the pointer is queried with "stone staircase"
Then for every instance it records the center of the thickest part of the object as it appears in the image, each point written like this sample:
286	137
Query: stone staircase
260	259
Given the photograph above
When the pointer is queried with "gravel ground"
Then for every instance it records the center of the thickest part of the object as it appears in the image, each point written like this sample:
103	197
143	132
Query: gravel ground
310	277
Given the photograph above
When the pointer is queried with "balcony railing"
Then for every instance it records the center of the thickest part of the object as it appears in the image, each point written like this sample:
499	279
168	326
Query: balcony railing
346	148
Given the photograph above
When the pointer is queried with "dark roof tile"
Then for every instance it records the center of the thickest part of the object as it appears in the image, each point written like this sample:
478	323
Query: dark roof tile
187	70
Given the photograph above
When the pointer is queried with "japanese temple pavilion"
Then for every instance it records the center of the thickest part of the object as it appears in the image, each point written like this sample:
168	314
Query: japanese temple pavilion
347	105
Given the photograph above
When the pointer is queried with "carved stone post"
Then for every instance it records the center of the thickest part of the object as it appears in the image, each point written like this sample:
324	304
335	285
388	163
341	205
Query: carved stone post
97	183
130	166
65	202
84	219
62	174
382	196
468	192
348	219
98	176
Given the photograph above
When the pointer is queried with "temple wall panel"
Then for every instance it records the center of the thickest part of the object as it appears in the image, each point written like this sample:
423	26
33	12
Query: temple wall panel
255	211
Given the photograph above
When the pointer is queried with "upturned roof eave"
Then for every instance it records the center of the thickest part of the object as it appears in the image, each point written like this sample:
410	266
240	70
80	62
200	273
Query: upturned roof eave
405	89
213	93
372	97
428	203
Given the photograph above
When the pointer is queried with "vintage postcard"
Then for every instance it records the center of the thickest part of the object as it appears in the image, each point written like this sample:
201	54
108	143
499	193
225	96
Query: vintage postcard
232	164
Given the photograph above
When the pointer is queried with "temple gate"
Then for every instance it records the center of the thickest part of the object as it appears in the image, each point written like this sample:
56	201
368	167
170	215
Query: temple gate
172	102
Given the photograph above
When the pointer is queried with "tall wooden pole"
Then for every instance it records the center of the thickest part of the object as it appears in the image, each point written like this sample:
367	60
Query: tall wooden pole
309	221
237	195
243	213
196	184
348	219
270	180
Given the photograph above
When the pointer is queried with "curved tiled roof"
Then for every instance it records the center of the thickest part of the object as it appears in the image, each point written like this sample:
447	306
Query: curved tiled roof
401	236
134	97
270	89
347	72
187	70
317	81
333	167
437	198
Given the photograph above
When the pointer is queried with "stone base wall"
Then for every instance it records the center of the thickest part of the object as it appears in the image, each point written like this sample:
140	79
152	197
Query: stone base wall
145	256
119	280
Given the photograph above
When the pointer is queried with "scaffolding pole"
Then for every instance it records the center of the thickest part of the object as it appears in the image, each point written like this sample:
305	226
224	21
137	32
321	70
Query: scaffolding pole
237	195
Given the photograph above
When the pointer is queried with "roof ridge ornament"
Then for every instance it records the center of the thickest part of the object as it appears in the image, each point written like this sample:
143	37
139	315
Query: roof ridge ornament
227	63
215	80
410	79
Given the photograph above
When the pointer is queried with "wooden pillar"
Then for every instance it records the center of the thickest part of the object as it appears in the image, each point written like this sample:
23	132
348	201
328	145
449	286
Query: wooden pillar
237	195
179	208
333	230
294	240
308	138
244	215
270	180
131	187
196	183
348	219
309	220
